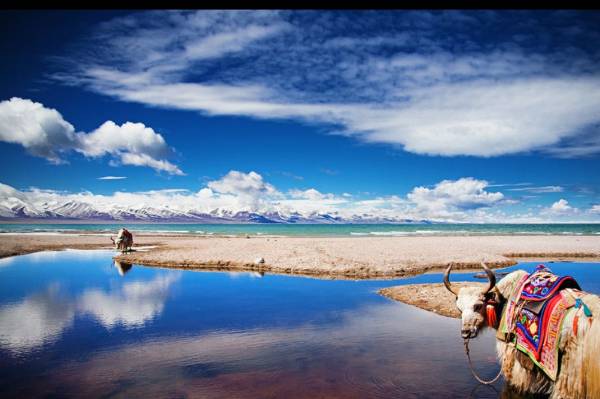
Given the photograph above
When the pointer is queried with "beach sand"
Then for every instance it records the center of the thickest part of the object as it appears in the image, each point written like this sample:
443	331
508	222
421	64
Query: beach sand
325	257
432	297
14	244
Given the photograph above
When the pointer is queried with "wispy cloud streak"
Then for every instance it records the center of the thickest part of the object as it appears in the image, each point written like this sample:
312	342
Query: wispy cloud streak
426	82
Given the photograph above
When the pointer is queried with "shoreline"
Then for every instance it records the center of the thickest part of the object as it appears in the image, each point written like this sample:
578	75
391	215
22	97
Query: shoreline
432	297
227	266
322	257
302	230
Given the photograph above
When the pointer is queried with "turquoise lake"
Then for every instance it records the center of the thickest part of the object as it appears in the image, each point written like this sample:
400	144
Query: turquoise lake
313	229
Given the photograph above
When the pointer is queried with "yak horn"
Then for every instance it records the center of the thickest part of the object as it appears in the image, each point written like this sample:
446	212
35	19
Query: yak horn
447	280
491	277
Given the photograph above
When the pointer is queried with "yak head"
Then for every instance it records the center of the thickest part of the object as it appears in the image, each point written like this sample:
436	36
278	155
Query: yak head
476	305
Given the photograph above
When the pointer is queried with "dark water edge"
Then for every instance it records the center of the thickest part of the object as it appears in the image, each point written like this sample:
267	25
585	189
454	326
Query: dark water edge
72	324
357	230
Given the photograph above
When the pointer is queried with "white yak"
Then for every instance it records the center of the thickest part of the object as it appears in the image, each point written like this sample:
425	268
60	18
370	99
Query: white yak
579	351
124	240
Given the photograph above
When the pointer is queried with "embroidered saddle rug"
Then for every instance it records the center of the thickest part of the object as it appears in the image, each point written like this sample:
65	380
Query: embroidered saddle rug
534	315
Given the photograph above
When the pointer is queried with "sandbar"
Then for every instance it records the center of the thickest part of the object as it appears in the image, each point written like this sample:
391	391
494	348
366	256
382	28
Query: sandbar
323	257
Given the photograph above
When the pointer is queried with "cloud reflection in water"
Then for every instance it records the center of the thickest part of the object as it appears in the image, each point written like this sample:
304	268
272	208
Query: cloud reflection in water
42	317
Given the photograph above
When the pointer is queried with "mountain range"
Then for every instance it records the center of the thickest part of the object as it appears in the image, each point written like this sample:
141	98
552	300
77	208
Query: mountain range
14	206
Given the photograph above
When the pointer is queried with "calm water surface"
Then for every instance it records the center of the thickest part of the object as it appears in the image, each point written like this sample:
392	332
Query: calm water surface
72	324
335	230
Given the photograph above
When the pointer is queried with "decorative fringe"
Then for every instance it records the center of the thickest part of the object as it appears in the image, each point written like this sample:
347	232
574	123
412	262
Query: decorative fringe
492	319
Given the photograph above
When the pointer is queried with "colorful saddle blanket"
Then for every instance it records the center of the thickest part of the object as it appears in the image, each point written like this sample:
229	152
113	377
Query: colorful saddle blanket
534	316
542	284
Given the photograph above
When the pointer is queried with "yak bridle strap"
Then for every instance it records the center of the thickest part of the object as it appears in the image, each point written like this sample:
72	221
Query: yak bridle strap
484	382
491	319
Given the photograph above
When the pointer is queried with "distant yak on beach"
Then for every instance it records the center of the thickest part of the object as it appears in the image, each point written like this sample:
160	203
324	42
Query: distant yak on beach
124	240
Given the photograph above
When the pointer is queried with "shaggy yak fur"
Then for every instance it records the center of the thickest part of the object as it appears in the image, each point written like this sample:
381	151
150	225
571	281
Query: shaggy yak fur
124	240
579	355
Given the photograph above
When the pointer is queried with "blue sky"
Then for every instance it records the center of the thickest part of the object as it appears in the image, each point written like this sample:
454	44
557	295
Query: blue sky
471	116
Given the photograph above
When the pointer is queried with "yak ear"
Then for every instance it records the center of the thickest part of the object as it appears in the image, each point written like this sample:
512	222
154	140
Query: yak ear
493	295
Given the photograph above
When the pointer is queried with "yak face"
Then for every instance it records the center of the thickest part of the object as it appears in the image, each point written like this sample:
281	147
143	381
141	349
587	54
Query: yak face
471	303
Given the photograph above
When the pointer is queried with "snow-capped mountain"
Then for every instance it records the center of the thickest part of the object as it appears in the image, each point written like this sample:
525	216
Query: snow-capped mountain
18	205
13	208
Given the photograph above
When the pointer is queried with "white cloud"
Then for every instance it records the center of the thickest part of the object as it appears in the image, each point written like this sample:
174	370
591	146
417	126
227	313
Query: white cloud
128	158
112	178
44	133
310	194
595	209
450	198
7	191
438	100
131	143
540	189
239	183
561	207
218	44
241	191
482	118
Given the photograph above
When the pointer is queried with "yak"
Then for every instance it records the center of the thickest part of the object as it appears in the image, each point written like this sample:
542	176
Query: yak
124	240
578	373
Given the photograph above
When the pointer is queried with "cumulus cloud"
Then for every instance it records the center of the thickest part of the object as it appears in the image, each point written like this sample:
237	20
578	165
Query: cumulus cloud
595	209
40	130
310	194
131	143
431	85
239	183
448	197
244	191
561	207
44	133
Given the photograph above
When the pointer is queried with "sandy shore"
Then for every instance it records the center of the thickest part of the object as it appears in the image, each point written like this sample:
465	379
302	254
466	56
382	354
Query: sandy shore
327	257
432	297
13	244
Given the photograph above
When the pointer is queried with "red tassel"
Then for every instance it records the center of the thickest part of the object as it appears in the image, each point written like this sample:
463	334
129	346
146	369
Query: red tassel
491	315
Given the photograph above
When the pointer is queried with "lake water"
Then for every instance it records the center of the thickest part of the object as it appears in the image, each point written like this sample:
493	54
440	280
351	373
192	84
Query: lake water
337	230
72	324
